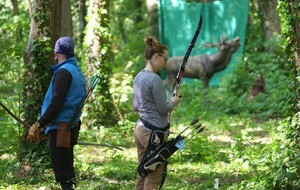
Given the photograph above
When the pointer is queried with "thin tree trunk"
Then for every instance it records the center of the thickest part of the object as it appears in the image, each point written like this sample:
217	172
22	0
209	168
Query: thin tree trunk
66	25
99	59
269	17
15	6
153	18
82	22
296	26
138	15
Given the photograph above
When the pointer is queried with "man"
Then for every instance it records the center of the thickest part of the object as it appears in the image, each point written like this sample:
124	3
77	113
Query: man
60	112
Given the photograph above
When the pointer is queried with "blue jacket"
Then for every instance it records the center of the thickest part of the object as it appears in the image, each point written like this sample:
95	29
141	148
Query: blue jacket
74	96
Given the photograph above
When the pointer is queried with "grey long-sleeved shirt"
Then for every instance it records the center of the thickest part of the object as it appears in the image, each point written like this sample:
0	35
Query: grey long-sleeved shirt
149	99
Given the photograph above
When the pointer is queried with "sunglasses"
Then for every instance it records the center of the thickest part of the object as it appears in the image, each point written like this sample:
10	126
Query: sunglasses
166	59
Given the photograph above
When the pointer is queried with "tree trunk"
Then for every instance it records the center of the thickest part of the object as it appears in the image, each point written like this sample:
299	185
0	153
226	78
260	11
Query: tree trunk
269	17
81	19
38	57
137	5
66	25
296	26
99	59
153	18
294	35
15	6
120	23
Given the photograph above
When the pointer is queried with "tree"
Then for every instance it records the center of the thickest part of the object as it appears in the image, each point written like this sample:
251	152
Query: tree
15	6
289	11
38	57
81	19
66	26
153	18
294	8
269	17
128	31
99	59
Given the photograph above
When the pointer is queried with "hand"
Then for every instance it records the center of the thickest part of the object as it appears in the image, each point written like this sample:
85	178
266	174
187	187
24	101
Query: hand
175	100
33	133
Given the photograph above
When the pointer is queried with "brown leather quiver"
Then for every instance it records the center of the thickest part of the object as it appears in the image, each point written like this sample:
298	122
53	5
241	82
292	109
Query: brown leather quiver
63	137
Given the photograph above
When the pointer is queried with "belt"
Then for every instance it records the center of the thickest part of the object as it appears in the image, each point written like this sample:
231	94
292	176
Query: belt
76	124
153	128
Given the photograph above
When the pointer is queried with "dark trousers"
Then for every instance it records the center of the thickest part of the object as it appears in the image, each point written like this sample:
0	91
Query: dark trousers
63	160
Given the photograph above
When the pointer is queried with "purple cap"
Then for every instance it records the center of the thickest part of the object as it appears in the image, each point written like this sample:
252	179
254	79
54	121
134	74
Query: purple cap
64	45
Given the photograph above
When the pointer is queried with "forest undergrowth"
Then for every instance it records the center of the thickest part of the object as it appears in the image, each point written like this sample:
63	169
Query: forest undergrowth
234	149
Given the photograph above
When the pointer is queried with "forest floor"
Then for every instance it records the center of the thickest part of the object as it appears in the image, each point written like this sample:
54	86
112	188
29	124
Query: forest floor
230	151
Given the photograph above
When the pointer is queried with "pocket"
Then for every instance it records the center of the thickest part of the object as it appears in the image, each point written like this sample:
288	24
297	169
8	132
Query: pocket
63	137
157	138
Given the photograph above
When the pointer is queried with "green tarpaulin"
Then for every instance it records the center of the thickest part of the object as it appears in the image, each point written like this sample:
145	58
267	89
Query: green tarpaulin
178	21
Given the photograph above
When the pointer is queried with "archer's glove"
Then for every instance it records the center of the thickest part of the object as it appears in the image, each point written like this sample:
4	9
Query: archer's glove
33	134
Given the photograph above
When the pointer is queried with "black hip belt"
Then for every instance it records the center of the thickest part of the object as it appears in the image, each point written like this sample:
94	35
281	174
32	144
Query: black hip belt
152	127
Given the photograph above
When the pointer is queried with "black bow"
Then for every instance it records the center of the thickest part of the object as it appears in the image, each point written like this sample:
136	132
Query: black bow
185	59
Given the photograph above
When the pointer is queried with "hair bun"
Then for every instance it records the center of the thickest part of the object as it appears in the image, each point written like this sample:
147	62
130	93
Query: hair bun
150	42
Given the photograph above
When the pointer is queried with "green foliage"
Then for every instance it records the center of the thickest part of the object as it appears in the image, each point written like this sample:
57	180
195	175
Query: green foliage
37	62
246	143
231	97
129	28
121	90
13	29
36	82
289	19
274	102
284	174
98	47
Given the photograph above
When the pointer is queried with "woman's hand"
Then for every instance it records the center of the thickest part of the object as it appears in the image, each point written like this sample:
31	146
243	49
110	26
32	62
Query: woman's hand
175	100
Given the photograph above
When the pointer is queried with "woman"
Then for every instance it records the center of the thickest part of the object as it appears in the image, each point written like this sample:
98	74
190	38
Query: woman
149	101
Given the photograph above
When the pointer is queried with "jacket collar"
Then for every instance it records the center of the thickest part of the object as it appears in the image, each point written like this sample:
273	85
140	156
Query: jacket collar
71	60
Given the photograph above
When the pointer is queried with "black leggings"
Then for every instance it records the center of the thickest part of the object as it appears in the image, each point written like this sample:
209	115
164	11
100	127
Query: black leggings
63	159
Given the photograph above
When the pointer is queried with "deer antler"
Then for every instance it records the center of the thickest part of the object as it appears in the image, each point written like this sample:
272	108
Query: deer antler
225	36
223	39
215	43
210	45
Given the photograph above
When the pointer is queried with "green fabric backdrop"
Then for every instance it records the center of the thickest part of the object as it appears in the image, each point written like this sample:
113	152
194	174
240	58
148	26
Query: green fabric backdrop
178	21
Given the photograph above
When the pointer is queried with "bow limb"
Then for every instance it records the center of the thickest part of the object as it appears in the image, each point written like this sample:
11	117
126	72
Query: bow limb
96	144
185	59
14	116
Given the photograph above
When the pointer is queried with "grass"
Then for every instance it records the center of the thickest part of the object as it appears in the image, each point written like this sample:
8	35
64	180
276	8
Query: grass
229	149
236	148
